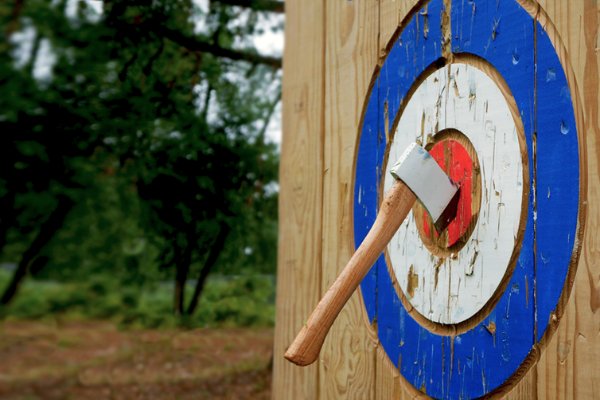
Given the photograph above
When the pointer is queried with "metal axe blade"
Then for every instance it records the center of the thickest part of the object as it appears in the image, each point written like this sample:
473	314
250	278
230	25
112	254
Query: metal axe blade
434	189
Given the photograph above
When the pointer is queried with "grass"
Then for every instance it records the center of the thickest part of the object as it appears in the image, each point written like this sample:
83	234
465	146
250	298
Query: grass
244	301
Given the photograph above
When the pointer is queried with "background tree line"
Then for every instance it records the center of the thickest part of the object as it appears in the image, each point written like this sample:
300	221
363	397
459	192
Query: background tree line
141	154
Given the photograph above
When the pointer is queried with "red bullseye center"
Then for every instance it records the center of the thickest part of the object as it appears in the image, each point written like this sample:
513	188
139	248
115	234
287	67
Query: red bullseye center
453	158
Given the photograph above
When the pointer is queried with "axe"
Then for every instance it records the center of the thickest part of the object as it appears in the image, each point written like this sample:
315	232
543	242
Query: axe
417	175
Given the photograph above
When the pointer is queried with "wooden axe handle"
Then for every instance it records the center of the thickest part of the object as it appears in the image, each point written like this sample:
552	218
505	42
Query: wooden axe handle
395	206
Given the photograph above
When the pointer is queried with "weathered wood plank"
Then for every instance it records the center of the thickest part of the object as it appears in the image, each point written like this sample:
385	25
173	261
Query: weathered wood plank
301	192
568	367
347	369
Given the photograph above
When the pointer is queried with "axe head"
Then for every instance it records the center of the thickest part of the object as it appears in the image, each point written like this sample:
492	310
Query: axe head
434	189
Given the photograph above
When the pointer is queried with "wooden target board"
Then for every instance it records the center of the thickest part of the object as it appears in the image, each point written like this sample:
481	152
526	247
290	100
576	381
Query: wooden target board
499	302
448	316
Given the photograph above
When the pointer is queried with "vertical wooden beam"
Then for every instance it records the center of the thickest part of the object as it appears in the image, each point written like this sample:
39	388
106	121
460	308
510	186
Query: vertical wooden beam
347	369
301	192
568	367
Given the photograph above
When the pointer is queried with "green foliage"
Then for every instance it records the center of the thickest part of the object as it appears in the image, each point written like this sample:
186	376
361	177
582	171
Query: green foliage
158	145
241	301
102	235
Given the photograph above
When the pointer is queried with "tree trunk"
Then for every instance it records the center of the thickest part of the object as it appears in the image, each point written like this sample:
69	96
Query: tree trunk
47	231
183	267
8	218
210	261
180	277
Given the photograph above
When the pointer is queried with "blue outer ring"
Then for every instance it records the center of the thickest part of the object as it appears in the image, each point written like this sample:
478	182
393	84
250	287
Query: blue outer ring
477	362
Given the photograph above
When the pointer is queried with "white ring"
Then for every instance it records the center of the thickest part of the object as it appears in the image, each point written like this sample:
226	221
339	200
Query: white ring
464	98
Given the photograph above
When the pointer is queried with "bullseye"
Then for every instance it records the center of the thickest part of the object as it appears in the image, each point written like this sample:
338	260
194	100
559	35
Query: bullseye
460	166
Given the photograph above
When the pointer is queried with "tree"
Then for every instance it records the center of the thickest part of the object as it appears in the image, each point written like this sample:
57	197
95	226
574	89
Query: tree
177	115
199	167
44	137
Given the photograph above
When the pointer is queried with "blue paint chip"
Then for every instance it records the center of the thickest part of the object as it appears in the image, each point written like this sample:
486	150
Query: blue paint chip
565	94
469	362
515	58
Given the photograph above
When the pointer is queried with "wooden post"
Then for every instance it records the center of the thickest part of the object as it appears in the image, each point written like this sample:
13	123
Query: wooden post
353	65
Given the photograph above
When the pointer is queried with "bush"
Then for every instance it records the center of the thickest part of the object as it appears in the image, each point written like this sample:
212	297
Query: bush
242	301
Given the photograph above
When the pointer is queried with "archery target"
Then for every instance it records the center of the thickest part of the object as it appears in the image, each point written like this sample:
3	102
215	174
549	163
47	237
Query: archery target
481	86
451	288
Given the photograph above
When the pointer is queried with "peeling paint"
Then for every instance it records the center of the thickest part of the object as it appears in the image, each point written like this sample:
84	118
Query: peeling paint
425	23
413	282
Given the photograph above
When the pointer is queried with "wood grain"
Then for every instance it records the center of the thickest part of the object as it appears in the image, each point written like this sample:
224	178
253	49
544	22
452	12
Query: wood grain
301	191
346	362
568	367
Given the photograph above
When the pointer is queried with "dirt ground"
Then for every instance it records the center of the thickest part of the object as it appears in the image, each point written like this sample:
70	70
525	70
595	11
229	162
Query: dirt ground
94	360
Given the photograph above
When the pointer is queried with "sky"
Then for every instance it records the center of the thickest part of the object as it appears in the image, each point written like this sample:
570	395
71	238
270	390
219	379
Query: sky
269	43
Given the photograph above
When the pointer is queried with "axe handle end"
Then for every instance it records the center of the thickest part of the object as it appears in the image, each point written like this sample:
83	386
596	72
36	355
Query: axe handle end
395	206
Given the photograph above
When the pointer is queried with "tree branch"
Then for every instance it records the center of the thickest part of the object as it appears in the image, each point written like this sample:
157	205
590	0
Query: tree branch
257	5
270	112
193	44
